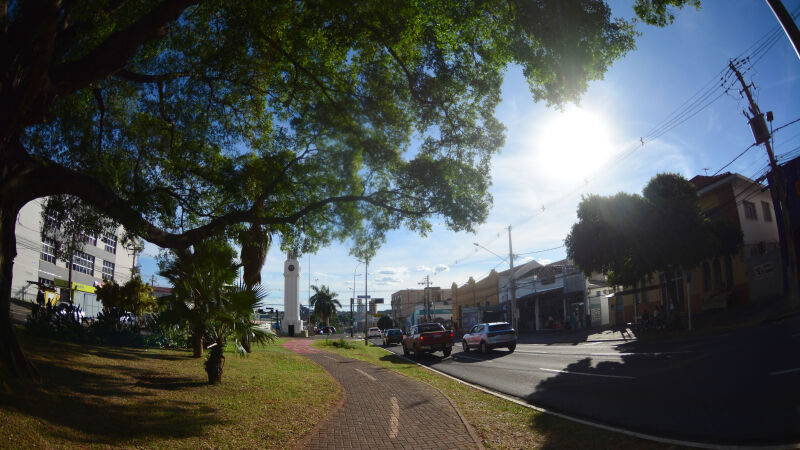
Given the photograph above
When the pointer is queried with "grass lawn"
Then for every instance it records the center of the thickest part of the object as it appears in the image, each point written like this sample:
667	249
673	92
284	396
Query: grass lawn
94	396
499	423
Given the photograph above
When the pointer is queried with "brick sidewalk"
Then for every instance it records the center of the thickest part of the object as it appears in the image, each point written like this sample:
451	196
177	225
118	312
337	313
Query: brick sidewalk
382	409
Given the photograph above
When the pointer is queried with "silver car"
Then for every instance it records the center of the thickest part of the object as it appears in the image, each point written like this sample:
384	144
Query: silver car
487	336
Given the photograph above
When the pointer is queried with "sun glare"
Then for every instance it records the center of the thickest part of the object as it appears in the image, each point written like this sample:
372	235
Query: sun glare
573	145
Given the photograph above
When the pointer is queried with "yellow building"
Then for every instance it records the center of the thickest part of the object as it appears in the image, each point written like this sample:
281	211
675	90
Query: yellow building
477	301
751	275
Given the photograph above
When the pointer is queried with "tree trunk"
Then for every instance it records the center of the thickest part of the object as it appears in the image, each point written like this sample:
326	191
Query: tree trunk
197	340
69	280
215	363
246	342
13	363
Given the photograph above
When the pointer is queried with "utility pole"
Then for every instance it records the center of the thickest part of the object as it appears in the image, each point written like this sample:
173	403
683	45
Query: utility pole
513	282
366	301
762	136
787	23
427	284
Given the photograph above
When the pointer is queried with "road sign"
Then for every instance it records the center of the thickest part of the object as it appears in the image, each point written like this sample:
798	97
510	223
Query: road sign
377	300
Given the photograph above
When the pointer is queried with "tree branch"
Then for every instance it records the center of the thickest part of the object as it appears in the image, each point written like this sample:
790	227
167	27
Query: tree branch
148	78
117	50
54	179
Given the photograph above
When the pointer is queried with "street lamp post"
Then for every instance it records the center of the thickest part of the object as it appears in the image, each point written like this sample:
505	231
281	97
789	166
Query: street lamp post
366	301
353	300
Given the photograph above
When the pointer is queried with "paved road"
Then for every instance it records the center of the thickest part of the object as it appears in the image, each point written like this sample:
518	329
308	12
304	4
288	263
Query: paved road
739	388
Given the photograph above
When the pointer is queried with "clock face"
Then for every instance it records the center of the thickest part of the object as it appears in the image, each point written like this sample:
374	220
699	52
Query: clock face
291	267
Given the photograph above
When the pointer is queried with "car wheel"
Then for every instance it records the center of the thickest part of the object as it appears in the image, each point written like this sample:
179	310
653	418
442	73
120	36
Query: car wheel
416	353
512	347
484	348
405	351
447	352
464	346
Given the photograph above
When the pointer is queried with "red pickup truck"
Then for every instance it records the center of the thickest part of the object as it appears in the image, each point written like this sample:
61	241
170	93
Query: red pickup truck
427	338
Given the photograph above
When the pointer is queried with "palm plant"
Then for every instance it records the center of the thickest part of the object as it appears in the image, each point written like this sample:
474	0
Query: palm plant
199	278
324	303
234	321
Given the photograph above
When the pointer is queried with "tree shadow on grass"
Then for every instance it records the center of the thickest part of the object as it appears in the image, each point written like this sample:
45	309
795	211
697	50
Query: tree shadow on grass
132	354
397	360
87	402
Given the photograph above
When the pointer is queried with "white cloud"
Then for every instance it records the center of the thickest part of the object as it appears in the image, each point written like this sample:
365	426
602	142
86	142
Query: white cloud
441	268
423	269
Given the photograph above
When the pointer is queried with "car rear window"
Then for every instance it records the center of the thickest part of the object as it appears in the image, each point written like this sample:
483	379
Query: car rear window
394	332
428	327
500	327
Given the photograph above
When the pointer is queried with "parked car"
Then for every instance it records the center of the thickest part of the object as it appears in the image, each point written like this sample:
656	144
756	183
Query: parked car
487	336
392	336
374	332
328	330
427	338
65	309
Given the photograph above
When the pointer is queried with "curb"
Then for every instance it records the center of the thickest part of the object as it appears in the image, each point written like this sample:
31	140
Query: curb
601	426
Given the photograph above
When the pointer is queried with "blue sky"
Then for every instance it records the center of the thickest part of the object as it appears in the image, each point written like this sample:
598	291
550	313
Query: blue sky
551	158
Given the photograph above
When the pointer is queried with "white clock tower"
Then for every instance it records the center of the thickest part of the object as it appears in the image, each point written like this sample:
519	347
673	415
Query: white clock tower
292	324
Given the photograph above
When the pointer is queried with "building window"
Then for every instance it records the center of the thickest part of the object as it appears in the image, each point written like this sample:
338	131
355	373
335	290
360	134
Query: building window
48	250
83	263
45	282
110	242
749	210
706	276
767	210
729	270
717	274
91	238
108	270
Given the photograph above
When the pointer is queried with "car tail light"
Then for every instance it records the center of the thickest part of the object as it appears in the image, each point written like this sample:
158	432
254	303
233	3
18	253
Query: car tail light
451	334
421	338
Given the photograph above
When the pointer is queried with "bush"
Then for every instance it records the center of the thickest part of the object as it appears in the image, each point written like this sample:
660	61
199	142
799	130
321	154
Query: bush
57	322
340	343
161	334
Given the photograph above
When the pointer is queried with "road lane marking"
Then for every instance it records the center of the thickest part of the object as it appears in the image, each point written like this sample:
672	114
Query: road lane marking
366	374
781	372
332	359
587	374
468	357
394	422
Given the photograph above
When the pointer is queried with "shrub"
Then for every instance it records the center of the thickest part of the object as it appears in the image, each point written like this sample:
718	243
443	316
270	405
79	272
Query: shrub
57	322
340	343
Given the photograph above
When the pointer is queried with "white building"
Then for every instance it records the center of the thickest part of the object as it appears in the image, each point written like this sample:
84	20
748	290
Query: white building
35	267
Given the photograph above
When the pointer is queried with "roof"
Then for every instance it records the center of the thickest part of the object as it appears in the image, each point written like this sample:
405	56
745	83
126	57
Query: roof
701	181
707	183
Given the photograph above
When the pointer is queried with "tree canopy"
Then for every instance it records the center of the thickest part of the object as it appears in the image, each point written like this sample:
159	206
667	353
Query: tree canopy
630	236
182	119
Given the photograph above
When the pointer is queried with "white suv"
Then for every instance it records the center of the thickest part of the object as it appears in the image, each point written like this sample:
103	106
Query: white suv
374	332
486	336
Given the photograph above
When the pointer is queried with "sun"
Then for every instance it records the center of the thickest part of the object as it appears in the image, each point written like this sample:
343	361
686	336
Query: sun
573	144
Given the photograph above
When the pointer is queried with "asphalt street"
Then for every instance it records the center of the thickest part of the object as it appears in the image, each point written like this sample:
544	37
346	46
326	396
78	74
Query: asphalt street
738	388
